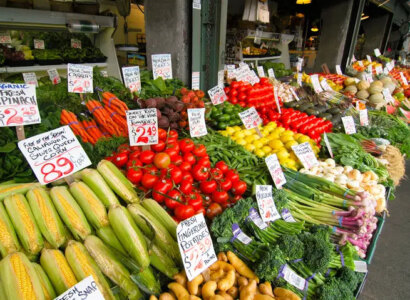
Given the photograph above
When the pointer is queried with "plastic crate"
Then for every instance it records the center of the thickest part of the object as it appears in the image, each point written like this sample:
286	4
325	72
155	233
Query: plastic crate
361	286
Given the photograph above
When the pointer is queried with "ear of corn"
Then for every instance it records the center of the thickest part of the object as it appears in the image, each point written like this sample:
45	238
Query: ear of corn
8	239
24	223
70	212
107	235
92	207
16	188
117	181
48	289
111	267
129	235
161	215
146	281
56	266
97	183
19	279
84	265
46	217
161	261
161	237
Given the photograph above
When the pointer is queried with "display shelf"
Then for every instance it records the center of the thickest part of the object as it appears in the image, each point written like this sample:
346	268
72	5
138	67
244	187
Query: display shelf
36	68
261	58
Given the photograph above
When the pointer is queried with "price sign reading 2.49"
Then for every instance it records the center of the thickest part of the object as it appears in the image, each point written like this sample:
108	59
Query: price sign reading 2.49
142	126
54	154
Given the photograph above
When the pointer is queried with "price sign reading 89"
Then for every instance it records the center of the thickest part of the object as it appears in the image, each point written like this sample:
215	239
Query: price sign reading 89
142	126
54	154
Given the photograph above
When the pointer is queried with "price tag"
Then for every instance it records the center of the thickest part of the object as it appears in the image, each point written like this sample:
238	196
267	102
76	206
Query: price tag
30	78
75	43
271	73
86	289
230	67
195	245
256	219
293	278
196	119
18	105
329	148
242	72
251	77
325	85
217	95
369	59
196	4
360	63
338	70
299	64
387	96
316	85
266	205
5	38
305	154
238	234
389	66
287	216
142	126
377	52
38	44
379	70
369	69
252	65
403	78
364	118
221	78
104	73
54	154
132	79
250	118
275	94
80	78
299	79
195	80
233	74
348	124
385	70
161	66
275	170
54	76
360	266
353	58
294	94
261	71
369	78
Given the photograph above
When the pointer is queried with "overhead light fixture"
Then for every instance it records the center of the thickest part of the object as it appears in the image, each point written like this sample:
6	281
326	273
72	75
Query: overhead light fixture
303	1
364	18
314	28
300	15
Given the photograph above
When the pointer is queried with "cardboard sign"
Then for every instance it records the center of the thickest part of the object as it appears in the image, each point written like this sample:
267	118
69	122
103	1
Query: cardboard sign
142	126
86	289
75	43
250	118
38	44
329	148
338	70
18	105
294	94
364	118
261	71
348	124
195	245
80	78
387	96
266	205
195	80
275	95
54	154
403	78
275	170
293	278
369	59
161	66
132	79
217	95
325	85
305	154
377	52
5	38
196	120
271	73
316	85
54	76
30	78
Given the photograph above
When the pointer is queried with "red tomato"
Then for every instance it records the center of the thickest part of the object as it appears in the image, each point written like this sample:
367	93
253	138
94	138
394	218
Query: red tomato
174	145
234	84
178	160
162	134
225	184
171	140
173	134
213	210
233	100
176	201
187	176
189	158
242	97
235	199
264	81
186	145
242	104
194	199
183	212
216	174
220	197
221	165
162	160
150	169
158	147
149	180
204	161
134	155
199	150
134	163
123	148
239	187
135	149
120	159
208	186
200	172
202	210
232	175
134	175
176	175
226	90
185	187
162	187
184	166
172	152
147	157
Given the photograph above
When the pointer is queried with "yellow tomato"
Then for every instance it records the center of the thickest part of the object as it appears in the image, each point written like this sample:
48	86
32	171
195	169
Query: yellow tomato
237	128
266	149
264	140
289	144
265	132
275	144
247	132
249	138
303	139
258	144
293	156
230	130
224	133
315	149
282	154
241	142
250	147
286	138
288	132
239	135
271	126
279	130
259	152
273	136
256	136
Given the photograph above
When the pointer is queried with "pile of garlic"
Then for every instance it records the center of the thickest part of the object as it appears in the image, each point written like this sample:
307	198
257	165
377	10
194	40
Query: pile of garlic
284	92
350	178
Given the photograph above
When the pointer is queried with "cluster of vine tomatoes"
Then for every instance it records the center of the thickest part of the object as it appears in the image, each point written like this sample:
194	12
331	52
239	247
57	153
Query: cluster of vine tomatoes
178	174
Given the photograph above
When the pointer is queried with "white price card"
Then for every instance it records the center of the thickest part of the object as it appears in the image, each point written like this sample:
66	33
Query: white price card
299	65
195	245
196	4
104	73
238	234
54	154
387	96
369	69
328	146
293	278
360	63
369	59
86	289
364	118
54	76
266	205
299	79
305	154
377	52
271	73
256	219
403	78
261	71
132	79
75	43
142	126
389	66
80	78
325	85
161	66
294	94
195	80
360	266
287	216
250	118
252	78
18	105
316	85
30	78
385	70
38	44
196	119
338	70
275	170
368	77
353	58
232	73
275	95
348	124
379	70
217	95
230	67
242	73
5	38
221	74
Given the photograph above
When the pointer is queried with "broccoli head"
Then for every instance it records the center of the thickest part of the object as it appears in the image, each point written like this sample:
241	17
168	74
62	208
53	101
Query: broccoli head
349	277
318	252
321	231
291	246
281	199
329	290
269	265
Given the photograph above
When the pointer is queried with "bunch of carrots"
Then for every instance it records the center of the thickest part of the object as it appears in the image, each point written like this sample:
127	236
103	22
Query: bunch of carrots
108	120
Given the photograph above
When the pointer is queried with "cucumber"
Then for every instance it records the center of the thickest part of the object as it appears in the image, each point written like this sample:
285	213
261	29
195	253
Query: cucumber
305	106
333	111
311	111
325	116
321	108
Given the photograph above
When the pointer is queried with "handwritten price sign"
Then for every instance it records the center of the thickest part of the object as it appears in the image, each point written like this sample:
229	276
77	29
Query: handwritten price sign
364	117
75	43
196	119
275	170
142	126
348	124
30	78
80	78
86	289
5	38
132	79
305	154
195	245
55	154
161	66
250	118
266	205
54	76
38	44
18	105
217	95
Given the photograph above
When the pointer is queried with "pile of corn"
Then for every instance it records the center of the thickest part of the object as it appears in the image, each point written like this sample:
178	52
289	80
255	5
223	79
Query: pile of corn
50	239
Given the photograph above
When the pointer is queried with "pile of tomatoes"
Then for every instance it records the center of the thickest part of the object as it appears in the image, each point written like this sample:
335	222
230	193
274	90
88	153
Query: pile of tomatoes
178	174
259	95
